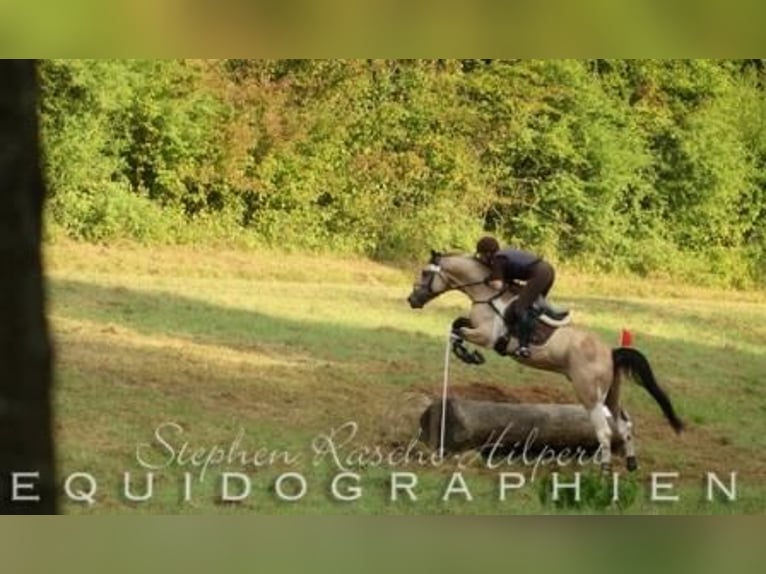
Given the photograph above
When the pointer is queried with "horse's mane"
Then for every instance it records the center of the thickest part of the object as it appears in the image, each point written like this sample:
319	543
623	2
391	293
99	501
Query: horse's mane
465	255
456	254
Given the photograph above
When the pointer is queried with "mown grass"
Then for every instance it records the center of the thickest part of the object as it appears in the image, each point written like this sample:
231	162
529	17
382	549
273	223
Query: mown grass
287	347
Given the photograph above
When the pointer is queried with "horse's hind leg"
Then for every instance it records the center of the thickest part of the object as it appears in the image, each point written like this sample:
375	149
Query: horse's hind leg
623	423
593	399
600	422
625	428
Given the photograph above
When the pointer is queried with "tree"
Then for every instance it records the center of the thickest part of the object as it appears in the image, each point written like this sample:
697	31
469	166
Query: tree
26	442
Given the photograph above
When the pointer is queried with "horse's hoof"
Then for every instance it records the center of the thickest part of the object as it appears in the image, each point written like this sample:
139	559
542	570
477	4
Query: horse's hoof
631	463
501	346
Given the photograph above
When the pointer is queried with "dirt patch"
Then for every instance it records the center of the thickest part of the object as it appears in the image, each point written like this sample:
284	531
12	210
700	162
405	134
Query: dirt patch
489	392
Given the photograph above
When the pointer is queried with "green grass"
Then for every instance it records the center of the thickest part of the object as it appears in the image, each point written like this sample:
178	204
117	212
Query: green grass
287	347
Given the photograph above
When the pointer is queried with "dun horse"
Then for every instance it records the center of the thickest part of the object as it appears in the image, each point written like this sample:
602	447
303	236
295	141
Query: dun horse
593	367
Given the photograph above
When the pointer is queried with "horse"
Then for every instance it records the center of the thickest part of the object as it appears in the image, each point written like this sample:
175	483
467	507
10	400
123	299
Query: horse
594	368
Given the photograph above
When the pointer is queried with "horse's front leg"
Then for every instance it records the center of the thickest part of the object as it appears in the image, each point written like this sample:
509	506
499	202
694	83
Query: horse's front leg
484	328
463	328
479	329
458	340
483	335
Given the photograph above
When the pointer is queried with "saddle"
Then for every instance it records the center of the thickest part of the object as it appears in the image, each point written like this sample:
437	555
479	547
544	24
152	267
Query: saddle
547	319
550	314
544	311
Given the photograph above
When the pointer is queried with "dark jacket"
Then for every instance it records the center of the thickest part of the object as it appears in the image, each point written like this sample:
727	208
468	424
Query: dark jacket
513	264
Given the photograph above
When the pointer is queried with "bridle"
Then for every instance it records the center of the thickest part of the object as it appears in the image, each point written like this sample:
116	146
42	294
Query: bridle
436	270
456	340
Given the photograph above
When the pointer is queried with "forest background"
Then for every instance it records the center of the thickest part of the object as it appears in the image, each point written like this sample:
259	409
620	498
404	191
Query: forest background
648	167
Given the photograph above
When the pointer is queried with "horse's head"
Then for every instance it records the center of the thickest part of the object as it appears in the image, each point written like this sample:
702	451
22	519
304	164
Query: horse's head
445	272
430	283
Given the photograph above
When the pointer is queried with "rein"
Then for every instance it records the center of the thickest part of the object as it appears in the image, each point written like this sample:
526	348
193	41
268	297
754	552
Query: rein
436	269
455	342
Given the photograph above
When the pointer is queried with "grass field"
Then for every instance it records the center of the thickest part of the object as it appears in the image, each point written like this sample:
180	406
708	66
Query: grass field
284	348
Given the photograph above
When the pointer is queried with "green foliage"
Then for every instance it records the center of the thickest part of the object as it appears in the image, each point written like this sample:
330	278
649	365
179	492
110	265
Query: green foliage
596	492
650	167
130	147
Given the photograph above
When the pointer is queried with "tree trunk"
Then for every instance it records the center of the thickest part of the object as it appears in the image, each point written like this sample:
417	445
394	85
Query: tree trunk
478	424
26	444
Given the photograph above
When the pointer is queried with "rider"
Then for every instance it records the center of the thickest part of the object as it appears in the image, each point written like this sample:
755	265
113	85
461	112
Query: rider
509	265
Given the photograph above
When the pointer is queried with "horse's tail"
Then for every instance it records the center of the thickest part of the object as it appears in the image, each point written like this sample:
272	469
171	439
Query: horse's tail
634	362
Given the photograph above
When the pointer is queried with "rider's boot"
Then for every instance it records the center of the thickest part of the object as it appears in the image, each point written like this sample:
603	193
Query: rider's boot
524	326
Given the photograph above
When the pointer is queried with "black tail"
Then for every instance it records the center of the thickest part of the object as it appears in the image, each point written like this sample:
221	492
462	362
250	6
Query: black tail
633	361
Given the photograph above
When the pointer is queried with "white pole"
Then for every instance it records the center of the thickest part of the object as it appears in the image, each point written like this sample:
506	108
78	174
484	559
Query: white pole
444	393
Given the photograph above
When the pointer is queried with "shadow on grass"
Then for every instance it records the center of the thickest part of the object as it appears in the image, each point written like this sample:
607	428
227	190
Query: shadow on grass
709	385
163	313
116	383
168	314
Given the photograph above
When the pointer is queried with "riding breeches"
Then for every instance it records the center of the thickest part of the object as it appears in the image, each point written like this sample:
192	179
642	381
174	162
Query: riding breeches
539	283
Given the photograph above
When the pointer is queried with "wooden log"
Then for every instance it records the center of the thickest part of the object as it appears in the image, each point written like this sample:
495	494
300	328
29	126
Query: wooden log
477	424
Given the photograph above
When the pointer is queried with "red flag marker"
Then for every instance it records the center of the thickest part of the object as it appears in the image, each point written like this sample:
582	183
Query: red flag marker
626	338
